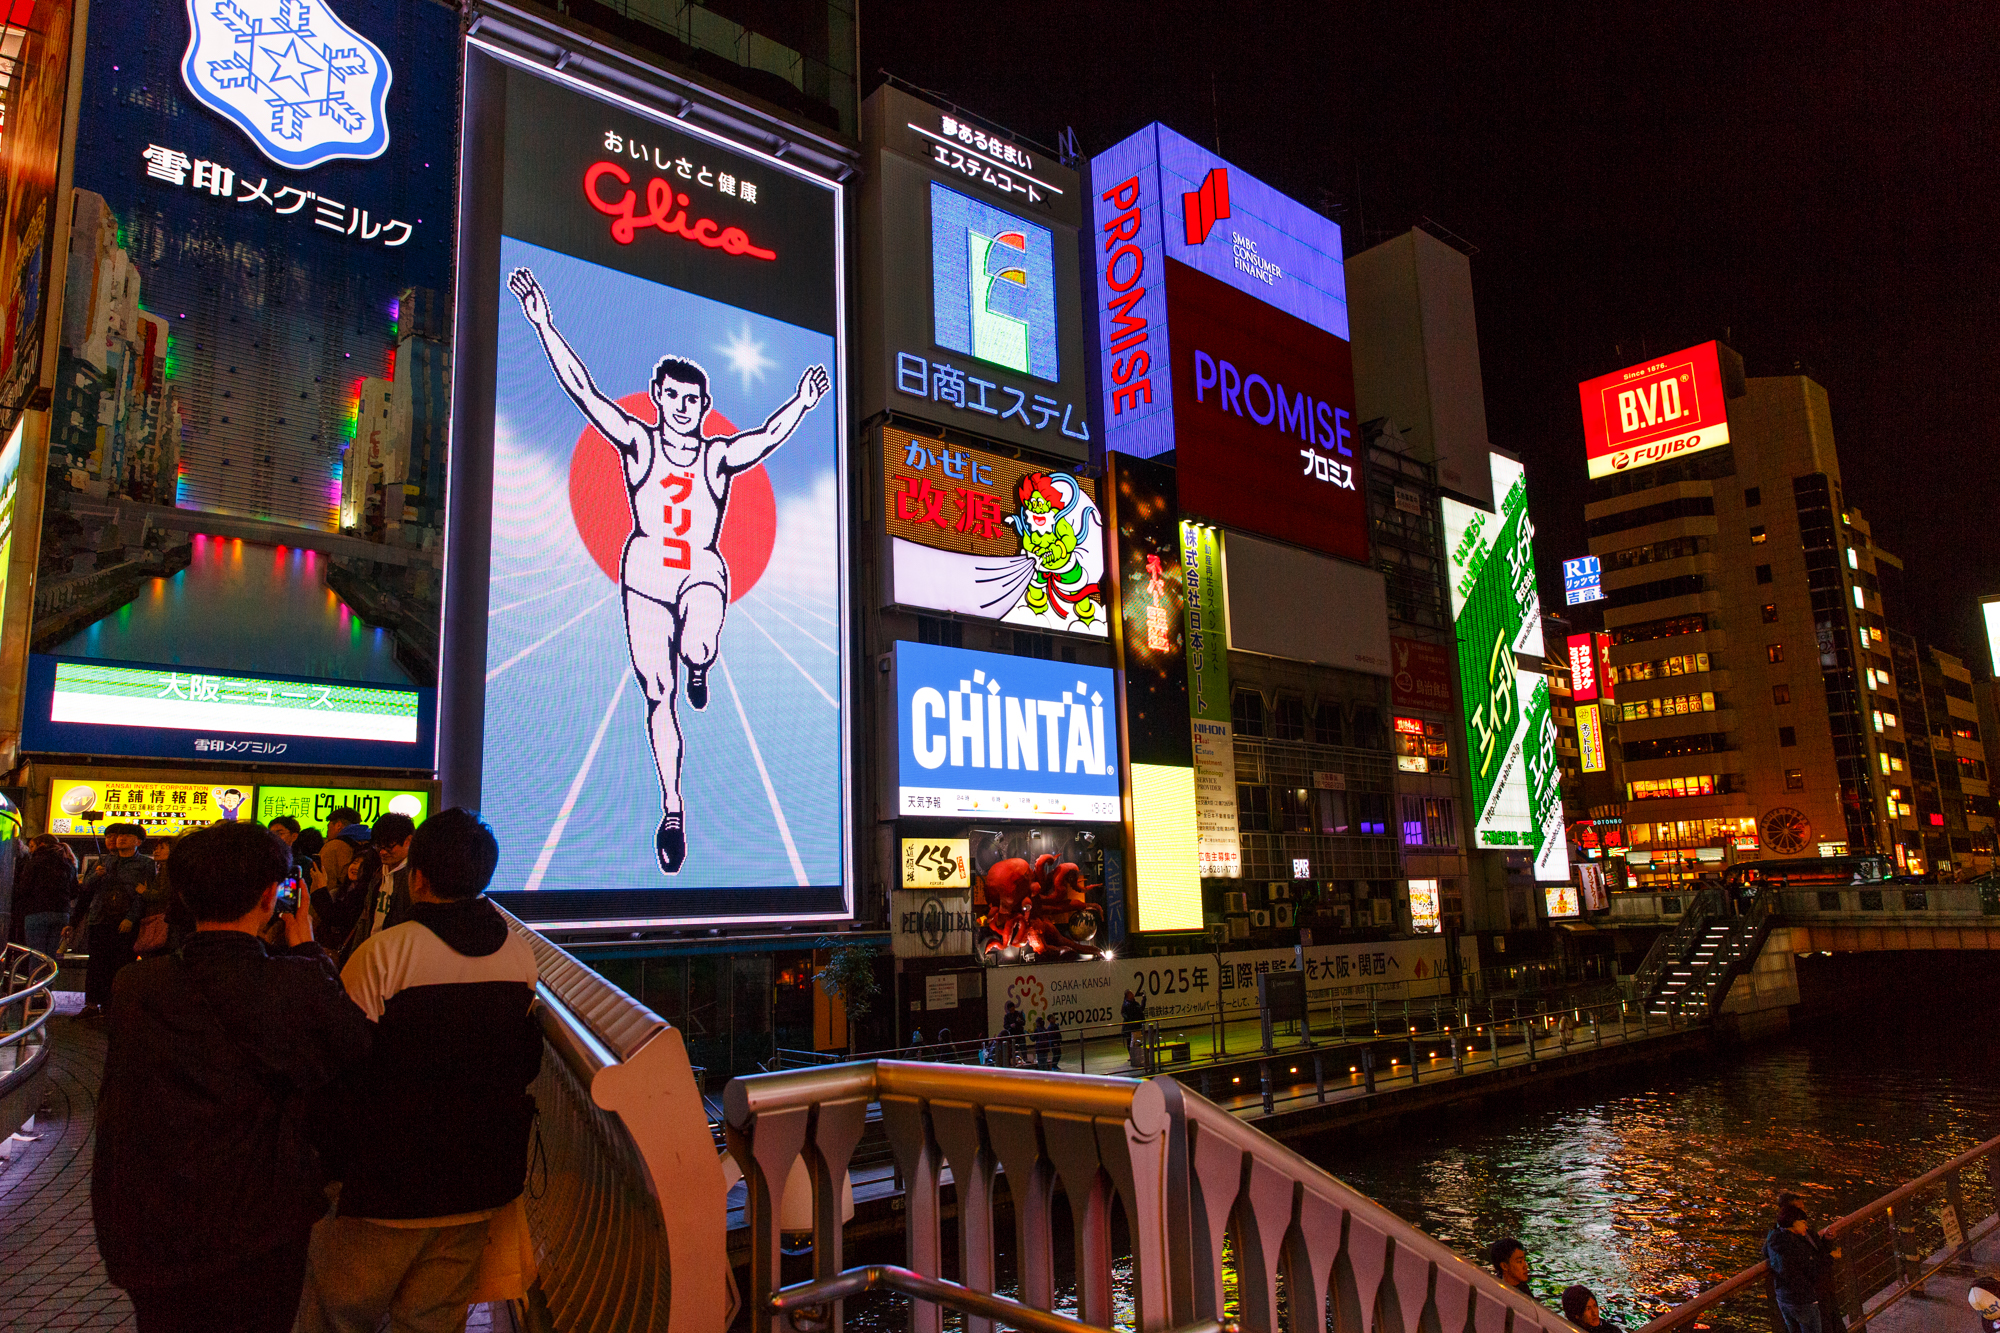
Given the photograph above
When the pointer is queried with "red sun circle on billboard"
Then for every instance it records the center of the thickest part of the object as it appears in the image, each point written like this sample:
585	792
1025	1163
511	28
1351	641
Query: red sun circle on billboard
599	506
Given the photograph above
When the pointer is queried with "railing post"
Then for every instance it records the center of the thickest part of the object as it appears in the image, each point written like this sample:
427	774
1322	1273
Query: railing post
1264	1077
1413	1062
1529	1029
1457	1053
1368	1068
1319	1076
1496	1040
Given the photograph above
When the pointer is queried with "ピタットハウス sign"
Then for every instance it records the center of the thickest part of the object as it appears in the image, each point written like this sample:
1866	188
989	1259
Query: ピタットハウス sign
301	84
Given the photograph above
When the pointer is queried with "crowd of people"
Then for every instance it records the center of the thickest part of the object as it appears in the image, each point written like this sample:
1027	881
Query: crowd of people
315	1111
1509	1258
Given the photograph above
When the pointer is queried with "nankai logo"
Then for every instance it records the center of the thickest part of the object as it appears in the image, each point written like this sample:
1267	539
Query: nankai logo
304	86
1207	206
993	285
661	206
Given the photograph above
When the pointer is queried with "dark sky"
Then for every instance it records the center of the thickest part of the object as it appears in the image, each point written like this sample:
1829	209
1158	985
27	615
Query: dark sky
1820	182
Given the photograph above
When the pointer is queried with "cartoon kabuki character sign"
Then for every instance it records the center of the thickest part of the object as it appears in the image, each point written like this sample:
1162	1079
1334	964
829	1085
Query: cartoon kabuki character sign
1060	528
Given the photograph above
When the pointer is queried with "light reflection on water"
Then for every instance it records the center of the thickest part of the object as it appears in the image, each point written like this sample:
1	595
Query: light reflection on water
1647	1196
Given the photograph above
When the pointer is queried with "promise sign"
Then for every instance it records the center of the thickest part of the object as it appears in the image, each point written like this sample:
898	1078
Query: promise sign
1654	412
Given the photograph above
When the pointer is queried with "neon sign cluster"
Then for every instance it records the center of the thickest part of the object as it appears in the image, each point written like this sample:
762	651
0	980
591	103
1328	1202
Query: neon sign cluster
176	168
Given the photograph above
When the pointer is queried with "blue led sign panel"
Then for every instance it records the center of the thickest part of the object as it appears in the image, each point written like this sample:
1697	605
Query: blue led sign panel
993	284
1159	196
1582	581
993	736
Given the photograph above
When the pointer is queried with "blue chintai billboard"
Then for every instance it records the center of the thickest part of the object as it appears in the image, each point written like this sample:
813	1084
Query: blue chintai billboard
990	736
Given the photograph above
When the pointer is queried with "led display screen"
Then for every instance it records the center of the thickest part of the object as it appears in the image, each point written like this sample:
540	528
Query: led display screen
969	271
1582	668
1561	901
1002	737
311	806
1583	580
663	690
1160	196
1511	732
260	244
1649	413
1989	611
1218	844
1590	738
163	809
39	39
1263	418
986	535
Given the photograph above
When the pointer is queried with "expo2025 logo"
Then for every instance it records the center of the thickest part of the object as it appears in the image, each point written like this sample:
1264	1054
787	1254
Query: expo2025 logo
302	84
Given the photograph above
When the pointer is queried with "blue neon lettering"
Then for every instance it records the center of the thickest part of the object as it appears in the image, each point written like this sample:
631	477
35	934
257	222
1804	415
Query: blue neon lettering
1232	384
1271	409
1204	373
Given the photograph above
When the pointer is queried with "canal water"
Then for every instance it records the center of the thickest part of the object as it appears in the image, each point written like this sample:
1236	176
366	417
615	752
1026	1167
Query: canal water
1648	1194
244	607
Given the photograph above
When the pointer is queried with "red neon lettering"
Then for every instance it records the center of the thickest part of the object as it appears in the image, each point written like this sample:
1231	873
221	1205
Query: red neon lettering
1130	396
1111	268
660	204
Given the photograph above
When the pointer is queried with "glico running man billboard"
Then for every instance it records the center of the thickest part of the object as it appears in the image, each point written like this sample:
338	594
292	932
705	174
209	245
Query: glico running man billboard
1516	785
260	239
660	551
1653	412
1222	337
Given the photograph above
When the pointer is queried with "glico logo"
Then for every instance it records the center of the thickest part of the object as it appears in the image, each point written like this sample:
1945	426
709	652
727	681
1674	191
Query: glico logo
301	84
1206	206
661	203
993	285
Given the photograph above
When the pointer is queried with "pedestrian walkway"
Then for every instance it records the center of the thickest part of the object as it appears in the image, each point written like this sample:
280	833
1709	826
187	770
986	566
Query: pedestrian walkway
51	1276
1941	1303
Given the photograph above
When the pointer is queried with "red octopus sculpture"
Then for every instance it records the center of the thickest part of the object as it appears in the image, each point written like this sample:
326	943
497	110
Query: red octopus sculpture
1028	908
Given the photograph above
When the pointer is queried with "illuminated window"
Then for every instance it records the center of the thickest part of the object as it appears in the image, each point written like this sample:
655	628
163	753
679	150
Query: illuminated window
1877	715
1853	558
1795	779
1788	736
1770	613
1758	536
1774	652
1859	604
1671	705
1781	694
1763	573
1752	497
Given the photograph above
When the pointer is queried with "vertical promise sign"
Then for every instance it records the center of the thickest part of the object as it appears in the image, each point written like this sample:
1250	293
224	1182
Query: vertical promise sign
652	320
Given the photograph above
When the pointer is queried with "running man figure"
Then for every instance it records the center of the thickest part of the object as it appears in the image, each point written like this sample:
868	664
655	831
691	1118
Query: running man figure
675	580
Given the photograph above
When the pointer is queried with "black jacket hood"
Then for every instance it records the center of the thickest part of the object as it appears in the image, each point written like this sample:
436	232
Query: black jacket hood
471	926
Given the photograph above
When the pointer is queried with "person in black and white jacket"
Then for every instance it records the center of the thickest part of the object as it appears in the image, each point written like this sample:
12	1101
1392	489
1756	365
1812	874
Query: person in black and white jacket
436	1122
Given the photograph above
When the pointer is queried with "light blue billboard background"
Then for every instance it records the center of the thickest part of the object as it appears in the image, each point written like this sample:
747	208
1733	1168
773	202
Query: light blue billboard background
569	782
1270	247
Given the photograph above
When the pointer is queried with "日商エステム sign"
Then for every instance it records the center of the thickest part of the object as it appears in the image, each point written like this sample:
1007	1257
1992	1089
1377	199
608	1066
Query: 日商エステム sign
1653	412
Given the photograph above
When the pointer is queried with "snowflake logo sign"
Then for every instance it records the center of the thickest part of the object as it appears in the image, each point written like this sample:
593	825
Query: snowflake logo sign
290	74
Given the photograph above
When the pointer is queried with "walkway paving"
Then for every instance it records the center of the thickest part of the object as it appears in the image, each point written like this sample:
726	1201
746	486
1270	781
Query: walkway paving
1941	1306
51	1276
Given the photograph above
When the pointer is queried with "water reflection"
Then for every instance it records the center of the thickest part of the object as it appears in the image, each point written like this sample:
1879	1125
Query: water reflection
242	606
1648	1196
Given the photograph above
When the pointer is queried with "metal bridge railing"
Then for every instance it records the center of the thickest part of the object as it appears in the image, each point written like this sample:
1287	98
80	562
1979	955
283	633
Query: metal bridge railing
25	1005
1184	1174
626	1202
1889	1248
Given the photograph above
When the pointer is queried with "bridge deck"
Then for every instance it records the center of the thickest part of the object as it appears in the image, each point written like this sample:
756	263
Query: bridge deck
1941	1302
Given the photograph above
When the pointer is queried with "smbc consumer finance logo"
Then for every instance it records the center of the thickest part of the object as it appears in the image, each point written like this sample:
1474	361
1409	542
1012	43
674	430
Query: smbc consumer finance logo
993	285
298	81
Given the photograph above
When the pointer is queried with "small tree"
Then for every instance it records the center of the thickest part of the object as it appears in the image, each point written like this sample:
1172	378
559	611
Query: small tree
849	975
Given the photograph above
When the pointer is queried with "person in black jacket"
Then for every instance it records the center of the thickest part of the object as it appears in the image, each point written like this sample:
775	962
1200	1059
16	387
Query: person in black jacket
43	892
205	1186
438	1118
1796	1264
109	906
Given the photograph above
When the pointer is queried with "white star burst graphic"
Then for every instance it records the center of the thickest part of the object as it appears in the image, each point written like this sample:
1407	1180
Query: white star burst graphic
746	356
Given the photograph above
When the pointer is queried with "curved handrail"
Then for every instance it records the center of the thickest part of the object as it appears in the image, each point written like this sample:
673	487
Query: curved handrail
806	1307
18	960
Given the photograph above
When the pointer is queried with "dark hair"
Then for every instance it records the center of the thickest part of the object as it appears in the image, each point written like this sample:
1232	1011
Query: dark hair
678	368
46	842
1574	1299
310	842
113	830
287	823
1790	1215
1500	1251
455	850
146	846
390	830
221	871
343	814
1787	1197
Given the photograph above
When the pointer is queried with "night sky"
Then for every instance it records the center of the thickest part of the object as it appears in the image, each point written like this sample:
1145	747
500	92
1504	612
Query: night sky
1817	184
